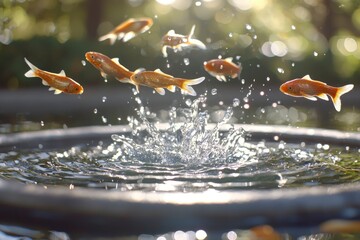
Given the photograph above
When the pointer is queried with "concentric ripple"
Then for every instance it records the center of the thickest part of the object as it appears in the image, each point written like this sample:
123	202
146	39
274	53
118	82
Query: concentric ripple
190	155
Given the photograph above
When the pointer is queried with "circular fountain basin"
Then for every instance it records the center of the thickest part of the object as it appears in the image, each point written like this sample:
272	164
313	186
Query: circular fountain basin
93	212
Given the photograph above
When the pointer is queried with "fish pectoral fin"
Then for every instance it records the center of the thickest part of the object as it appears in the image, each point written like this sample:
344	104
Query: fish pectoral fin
221	78
104	75
62	73
164	51
128	36
323	96
160	91
56	91
312	98
159	71
45	83
307	77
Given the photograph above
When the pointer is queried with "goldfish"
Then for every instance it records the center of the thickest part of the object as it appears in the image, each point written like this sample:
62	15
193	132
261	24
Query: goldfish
159	80
108	66
128	30
310	89
340	226
58	82
221	68
178	41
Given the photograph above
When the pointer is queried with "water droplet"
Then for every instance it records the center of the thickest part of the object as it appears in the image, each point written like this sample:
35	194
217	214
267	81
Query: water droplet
315	54
71	186
242	81
274	105
198	3
42	123
219	57
221	103
83	63
104	99
268	79
95	111
236	102
156	16
262	93
248	27
168	65
188	102
186	61
293	64
230	35
262	110
293	27
246	106
213	91
280	70
104	119
238	57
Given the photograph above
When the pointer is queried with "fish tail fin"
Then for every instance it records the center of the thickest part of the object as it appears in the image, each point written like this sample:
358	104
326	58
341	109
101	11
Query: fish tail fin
339	92
110	36
197	43
33	69
186	85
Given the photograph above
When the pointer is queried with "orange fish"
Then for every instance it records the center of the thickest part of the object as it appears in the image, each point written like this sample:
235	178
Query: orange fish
159	80
178	41
310	89
128	29
340	226
108	66
58	82
221	68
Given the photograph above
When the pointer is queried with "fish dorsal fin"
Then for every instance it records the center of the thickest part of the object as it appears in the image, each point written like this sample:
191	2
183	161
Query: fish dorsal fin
229	59
307	77
139	70
62	73
171	32
191	32
115	60
159	71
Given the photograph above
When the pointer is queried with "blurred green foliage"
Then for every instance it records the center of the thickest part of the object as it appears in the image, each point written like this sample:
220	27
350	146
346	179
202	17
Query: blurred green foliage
284	39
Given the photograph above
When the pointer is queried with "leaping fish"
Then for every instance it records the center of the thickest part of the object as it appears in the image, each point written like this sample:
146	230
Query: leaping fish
178	41
310	89
108	66
222	68
58	82
159	80
128	30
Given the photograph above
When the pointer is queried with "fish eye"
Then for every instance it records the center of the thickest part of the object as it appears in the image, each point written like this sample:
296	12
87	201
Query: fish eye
290	88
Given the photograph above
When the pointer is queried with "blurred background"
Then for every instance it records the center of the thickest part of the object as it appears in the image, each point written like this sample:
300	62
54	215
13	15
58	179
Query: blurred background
275	41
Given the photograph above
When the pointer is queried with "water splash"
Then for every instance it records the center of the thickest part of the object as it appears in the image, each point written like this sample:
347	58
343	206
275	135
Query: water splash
187	139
